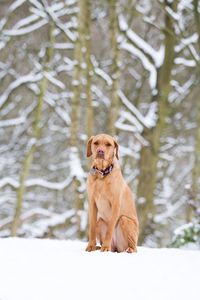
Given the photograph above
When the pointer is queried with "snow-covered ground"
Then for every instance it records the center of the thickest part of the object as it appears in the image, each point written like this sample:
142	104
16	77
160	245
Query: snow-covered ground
33	269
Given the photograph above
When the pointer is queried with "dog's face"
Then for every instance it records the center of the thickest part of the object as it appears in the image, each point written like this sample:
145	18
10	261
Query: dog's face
102	149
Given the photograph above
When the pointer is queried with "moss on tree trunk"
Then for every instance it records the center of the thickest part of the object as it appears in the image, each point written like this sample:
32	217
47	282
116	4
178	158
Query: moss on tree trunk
150	154
26	165
115	70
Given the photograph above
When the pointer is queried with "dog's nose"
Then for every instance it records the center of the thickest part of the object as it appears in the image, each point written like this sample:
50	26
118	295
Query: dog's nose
100	152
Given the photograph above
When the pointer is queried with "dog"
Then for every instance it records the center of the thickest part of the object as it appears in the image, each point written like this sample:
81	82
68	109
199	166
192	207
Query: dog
112	213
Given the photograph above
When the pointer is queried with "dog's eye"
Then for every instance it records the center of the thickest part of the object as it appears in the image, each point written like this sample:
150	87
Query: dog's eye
96	143
108	144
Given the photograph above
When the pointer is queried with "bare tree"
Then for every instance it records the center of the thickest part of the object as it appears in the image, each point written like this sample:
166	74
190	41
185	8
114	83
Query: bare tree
196	168
150	153
88	70
31	147
115	68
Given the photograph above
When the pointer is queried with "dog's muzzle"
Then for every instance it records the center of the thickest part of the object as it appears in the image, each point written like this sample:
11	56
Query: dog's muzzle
100	154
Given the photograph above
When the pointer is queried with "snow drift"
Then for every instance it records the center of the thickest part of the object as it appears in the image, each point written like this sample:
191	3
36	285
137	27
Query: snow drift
33	269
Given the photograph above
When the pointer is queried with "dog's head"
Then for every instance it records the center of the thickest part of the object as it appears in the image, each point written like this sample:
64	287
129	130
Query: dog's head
102	149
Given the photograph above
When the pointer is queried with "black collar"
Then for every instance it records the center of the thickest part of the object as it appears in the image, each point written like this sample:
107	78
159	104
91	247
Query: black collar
103	173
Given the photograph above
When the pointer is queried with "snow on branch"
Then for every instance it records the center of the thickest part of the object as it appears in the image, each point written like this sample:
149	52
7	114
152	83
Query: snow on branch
71	36
136	125
101	73
5	39
76	170
15	5
32	213
39	18
25	30
192	39
147	121
38	12
12	122
36	182
31	77
100	95
26	21
145	61
38	211
181	92
185	62
63	46
19	120
43	226
131	128
155	56
60	112
170	211
36	4
53	80
104	76
150	58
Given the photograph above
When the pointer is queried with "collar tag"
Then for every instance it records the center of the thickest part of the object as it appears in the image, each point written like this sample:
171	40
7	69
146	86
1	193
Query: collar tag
93	171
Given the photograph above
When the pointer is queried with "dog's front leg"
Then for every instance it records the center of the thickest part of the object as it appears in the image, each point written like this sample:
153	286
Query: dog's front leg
92	227
115	209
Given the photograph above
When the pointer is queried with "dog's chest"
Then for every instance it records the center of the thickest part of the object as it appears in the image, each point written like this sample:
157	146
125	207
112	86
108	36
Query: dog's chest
103	208
102	202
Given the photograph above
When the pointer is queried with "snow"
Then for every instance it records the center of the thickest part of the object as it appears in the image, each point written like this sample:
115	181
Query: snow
76	170
37	4
156	55
185	62
192	39
26	30
144	60
103	75
63	46
51	99
129	117
181	91
180	230
147	121
42	226
51	269
12	122
36	182
26	21
16	4
70	35
38	12
172	13
52	79
31	77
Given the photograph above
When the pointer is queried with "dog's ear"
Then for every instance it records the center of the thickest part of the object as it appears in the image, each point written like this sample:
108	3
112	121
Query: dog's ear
89	151
117	148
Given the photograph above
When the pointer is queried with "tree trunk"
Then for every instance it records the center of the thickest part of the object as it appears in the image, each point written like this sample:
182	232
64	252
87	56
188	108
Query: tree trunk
36	135
196	168
88	70
150	154
115	70
81	69
195	191
76	85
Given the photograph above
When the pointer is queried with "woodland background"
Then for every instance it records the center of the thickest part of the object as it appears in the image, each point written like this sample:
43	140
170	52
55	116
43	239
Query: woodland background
73	68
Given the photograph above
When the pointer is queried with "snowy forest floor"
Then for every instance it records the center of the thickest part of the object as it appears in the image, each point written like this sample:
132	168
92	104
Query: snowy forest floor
33	269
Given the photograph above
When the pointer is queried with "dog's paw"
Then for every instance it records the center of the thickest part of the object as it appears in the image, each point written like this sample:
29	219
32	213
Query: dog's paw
105	248
90	248
131	250
98	247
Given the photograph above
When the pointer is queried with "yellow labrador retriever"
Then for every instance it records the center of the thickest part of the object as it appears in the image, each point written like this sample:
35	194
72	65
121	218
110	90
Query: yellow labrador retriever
112	214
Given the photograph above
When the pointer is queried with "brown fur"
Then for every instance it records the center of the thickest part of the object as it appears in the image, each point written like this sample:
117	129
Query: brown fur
112	214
